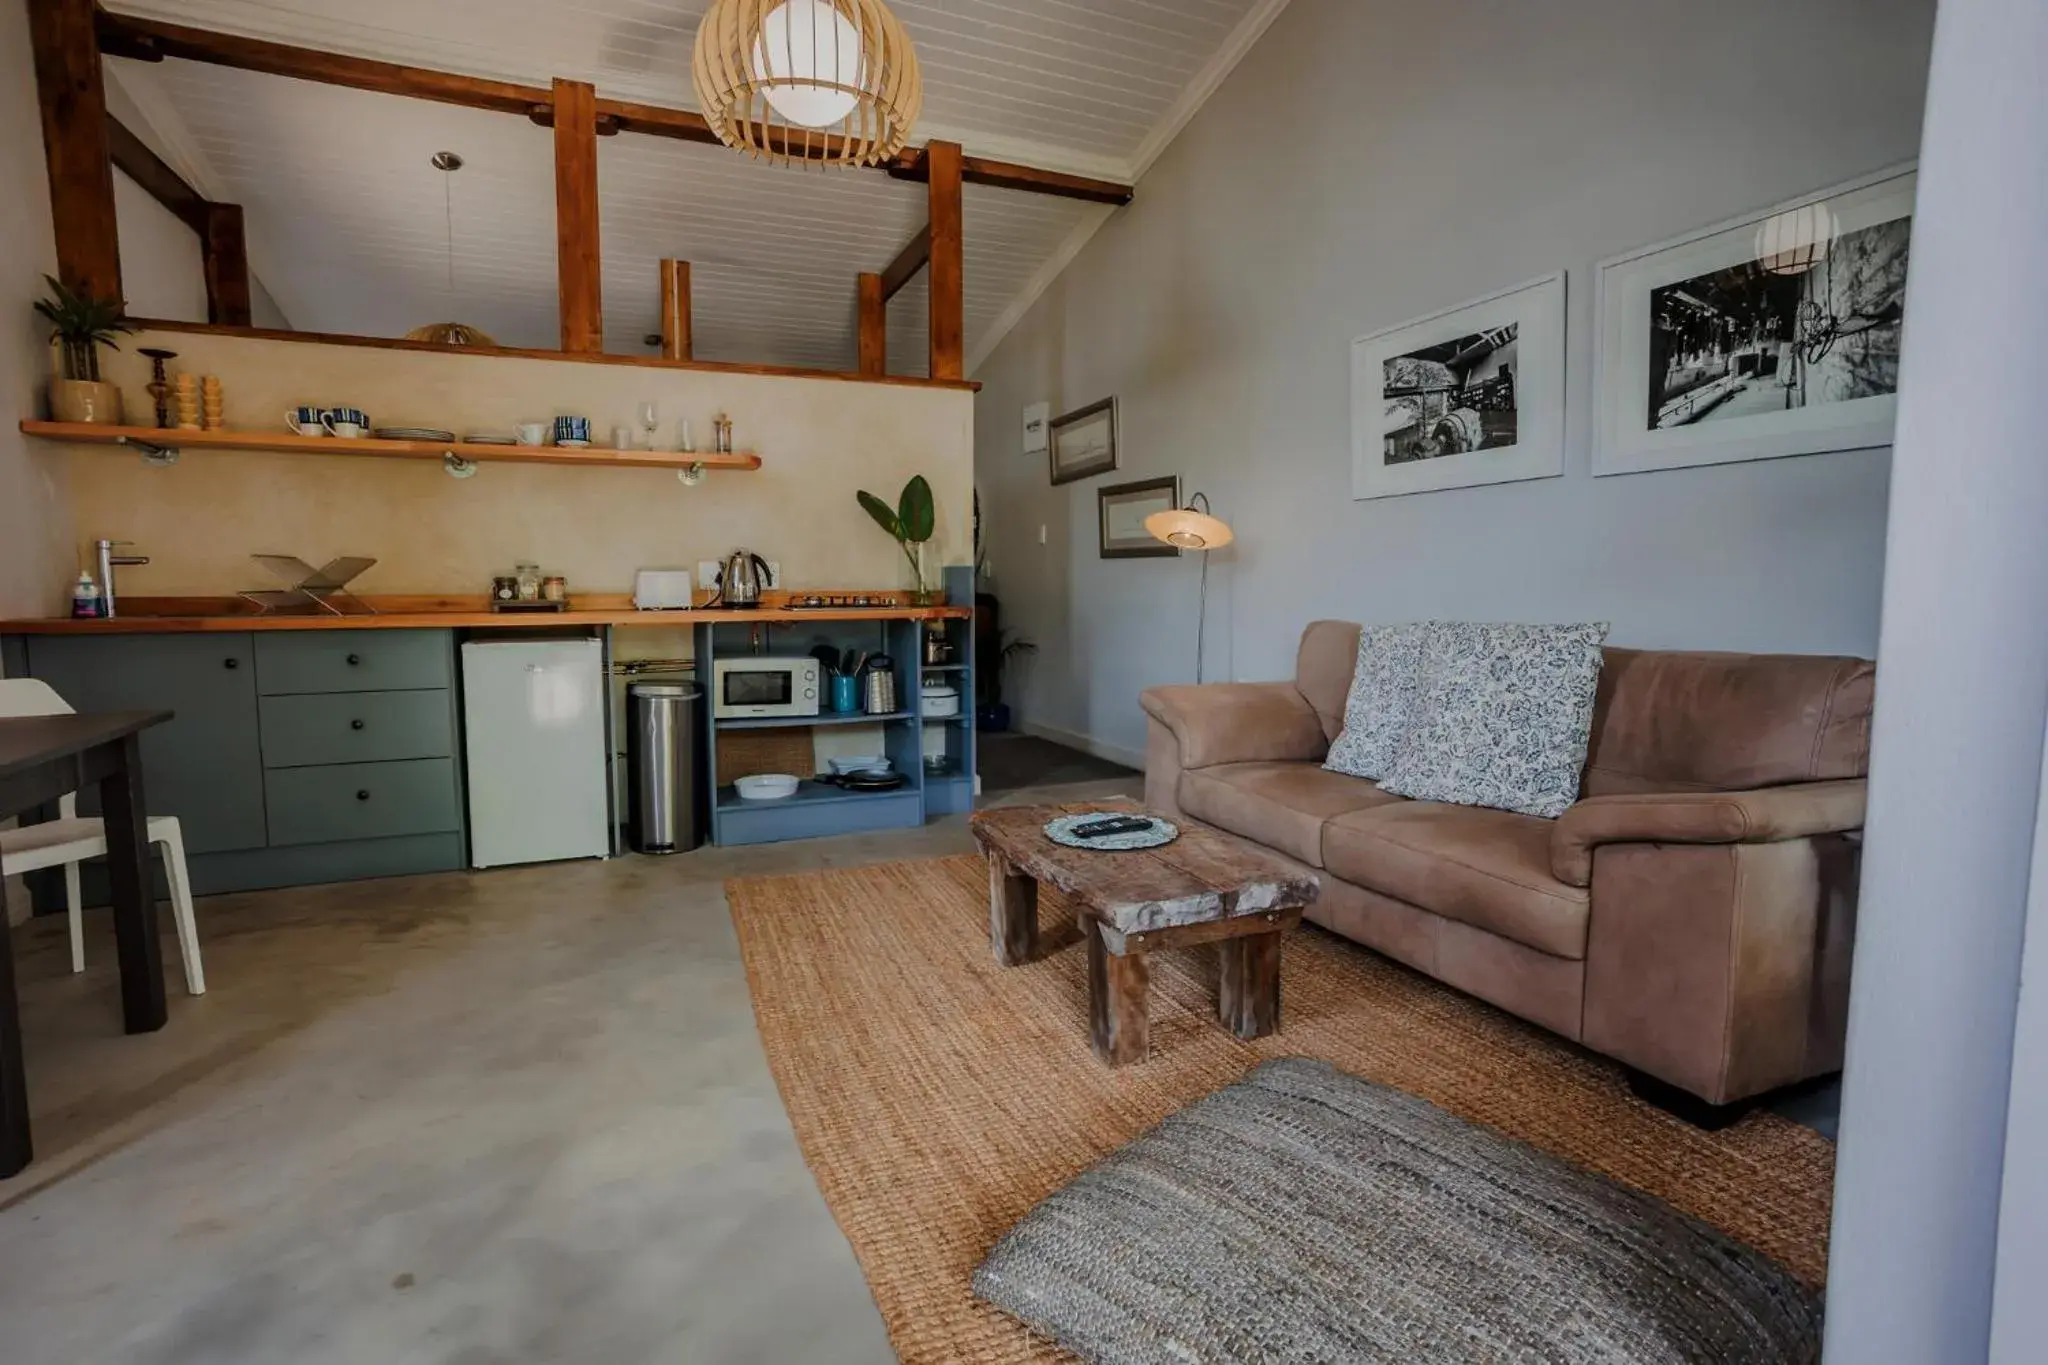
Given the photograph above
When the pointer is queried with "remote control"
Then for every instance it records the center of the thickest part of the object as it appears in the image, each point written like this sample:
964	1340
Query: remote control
1115	824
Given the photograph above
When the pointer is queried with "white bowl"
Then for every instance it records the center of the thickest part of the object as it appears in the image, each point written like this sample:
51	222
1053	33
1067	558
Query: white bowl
863	763
766	787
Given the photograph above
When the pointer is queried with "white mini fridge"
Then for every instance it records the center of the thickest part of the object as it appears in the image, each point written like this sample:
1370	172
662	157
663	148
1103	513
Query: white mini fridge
533	722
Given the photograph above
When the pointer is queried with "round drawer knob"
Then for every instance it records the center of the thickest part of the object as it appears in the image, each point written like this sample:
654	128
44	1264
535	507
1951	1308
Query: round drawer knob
355	725
363	795
354	659
230	663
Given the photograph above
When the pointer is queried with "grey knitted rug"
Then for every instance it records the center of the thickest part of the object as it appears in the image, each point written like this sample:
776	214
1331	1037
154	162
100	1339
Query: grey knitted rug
1305	1215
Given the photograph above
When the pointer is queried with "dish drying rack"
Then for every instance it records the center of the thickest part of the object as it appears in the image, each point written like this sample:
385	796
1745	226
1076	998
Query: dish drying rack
308	590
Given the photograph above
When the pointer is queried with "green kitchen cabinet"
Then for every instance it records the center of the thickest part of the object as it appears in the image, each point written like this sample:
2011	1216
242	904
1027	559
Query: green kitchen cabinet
206	765
294	757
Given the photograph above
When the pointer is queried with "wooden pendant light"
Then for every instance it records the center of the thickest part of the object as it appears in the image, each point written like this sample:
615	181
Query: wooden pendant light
827	82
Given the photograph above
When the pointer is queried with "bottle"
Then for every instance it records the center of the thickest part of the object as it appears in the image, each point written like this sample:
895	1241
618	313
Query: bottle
85	599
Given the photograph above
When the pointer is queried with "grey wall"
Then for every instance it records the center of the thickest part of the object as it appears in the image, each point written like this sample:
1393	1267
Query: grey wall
1956	753
1371	162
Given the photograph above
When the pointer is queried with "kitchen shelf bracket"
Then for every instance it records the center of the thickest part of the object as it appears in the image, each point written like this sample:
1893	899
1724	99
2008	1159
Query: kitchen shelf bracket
154	455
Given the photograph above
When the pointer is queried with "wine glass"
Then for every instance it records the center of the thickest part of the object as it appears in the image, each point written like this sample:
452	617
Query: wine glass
650	419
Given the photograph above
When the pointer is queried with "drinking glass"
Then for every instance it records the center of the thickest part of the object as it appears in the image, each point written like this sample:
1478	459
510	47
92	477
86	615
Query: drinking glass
650	418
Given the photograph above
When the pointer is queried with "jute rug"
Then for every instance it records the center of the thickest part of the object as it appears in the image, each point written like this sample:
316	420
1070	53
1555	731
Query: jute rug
938	1096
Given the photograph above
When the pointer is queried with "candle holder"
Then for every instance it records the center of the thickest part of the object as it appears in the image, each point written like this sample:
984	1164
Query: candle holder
159	383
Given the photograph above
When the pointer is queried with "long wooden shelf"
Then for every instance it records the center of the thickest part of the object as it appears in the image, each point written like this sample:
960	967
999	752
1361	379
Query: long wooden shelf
595	457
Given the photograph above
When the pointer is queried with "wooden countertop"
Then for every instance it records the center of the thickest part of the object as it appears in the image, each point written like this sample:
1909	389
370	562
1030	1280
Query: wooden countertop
182	616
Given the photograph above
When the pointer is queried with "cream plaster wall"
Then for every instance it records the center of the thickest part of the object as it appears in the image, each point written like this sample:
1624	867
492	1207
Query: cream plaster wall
35	520
820	441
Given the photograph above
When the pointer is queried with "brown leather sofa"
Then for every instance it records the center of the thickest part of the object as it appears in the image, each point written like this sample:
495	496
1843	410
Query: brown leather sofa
1690	916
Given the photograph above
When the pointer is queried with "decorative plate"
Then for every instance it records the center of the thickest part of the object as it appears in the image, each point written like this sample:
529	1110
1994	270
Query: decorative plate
573	445
414	434
488	438
1060	831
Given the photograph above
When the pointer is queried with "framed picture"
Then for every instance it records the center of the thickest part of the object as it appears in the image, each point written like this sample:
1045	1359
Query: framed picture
1121	512
1471	395
1769	335
1084	442
1037	416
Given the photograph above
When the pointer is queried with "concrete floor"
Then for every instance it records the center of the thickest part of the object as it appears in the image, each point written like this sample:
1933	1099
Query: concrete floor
514	1116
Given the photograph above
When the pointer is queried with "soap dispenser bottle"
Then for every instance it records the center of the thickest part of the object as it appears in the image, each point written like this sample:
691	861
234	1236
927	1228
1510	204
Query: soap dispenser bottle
85	598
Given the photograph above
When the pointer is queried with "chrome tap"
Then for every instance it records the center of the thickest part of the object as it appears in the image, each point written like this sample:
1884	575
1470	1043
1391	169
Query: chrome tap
108	559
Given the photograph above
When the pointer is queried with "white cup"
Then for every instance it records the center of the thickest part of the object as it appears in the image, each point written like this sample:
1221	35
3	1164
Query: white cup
346	430
305	428
531	433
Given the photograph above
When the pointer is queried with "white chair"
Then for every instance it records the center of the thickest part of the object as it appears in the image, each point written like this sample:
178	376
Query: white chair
71	838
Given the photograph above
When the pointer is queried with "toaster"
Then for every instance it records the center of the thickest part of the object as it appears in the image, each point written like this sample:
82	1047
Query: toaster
662	590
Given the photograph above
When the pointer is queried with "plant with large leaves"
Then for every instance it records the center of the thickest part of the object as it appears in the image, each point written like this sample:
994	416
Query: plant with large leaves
911	521
81	325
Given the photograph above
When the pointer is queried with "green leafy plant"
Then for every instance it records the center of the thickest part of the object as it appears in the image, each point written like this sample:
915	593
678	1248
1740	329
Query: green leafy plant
911	521
81	324
1009	646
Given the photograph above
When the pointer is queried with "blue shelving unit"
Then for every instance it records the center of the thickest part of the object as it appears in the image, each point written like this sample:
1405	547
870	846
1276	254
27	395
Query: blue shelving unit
819	809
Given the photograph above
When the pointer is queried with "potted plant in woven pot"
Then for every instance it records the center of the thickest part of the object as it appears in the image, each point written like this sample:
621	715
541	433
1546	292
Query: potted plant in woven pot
79	325
911	521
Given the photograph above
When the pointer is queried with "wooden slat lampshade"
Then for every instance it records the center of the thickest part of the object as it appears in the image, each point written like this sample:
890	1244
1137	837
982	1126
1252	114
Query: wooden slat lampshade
832	82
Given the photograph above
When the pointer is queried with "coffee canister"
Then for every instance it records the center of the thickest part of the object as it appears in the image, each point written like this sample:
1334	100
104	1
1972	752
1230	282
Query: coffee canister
878	687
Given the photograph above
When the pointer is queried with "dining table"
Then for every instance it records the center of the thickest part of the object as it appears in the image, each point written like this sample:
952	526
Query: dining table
41	759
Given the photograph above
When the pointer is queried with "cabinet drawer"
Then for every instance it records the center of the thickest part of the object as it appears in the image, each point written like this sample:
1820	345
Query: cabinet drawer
351	660
355	727
361	801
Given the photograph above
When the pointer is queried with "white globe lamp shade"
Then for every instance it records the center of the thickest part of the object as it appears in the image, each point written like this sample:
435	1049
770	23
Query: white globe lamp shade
1795	241
808	59
1186	529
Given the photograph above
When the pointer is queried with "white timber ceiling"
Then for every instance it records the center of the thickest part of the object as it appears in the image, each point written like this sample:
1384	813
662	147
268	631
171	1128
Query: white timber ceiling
352	231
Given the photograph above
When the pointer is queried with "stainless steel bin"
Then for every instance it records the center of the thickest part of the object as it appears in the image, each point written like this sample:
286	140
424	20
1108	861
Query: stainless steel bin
664	810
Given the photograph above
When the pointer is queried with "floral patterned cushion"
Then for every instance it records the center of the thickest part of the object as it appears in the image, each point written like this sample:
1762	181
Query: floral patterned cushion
1384	688
1504	717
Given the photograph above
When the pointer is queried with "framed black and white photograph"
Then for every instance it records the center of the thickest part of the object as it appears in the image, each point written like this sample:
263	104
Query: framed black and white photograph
1120	517
1084	442
1770	335
1471	395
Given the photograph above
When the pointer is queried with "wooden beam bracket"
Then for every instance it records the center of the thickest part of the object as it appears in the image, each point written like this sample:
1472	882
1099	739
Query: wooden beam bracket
676	339
873	316
915	256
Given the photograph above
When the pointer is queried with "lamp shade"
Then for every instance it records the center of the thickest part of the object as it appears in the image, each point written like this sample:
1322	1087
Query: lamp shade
1188	529
824	82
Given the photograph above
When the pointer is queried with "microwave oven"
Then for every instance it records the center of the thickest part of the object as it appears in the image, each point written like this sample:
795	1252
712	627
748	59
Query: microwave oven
764	687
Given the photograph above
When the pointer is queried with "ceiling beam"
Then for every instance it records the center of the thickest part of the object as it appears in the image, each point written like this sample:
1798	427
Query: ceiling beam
577	258
224	252
948	276
73	97
915	256
134	159
872	317
150	40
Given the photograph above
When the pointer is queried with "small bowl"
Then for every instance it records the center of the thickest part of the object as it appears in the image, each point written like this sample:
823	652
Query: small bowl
863	763
766	787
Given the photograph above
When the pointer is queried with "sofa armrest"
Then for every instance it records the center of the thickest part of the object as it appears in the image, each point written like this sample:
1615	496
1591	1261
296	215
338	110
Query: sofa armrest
1237	722
1765	815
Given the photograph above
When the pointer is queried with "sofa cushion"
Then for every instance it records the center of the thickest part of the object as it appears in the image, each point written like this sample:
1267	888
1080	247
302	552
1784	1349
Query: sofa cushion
1486	868
1322	670
1503	716
1673	721
1386	686
1280	805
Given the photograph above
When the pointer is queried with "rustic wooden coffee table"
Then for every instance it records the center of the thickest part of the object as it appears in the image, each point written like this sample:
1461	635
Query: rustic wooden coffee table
1205	887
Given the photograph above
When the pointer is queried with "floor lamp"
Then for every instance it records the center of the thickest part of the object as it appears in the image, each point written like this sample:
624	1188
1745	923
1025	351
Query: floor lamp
1193	528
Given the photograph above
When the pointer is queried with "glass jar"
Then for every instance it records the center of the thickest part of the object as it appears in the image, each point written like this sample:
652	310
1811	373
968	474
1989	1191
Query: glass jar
554	588
504	588
528	576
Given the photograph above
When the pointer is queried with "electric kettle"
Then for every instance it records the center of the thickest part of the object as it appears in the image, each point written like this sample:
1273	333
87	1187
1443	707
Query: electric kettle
740	580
